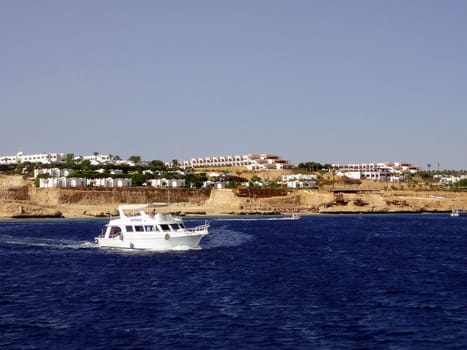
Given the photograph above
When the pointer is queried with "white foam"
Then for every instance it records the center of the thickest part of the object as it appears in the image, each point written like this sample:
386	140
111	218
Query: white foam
183	248
222	237
46	242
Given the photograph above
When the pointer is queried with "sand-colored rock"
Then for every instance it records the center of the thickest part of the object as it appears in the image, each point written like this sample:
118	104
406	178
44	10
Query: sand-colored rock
20	198
18	209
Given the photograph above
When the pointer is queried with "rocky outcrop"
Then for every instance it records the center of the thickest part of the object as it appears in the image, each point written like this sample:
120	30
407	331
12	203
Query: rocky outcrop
20	198
104	196
24	210
314	201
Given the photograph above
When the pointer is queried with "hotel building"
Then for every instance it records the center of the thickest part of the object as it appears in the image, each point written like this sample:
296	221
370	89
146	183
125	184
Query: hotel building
250	161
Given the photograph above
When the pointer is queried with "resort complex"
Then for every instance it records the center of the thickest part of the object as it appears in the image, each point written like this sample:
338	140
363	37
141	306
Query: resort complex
249	161
52	185
388	171
43	158
105	170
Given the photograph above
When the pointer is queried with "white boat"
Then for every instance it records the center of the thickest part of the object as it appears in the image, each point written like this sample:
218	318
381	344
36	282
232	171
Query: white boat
149	231
459	212
294	217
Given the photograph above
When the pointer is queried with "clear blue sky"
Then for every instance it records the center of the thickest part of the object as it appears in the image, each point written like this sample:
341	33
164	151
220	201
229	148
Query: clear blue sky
327	81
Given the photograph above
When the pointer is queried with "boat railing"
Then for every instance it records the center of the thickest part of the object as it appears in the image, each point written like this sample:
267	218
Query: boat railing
102	234
199	228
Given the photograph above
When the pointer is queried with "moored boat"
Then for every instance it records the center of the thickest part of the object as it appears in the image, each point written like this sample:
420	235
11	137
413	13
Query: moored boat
459	212
149	231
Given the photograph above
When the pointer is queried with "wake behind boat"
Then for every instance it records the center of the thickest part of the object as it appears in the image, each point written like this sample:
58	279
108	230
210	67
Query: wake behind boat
154	231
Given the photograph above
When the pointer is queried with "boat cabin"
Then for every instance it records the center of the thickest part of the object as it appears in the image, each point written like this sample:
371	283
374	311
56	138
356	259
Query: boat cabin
114	230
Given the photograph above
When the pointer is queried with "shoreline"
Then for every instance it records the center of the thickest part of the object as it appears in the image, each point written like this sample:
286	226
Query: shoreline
20	199
26	217
214	216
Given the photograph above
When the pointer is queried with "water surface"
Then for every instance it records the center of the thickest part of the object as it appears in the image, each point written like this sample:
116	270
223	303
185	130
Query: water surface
323	282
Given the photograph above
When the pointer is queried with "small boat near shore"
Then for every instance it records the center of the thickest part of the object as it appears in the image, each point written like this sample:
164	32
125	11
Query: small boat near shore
459	212
134	228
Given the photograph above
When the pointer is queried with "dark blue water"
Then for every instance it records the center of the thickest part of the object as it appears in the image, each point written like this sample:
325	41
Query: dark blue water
322	282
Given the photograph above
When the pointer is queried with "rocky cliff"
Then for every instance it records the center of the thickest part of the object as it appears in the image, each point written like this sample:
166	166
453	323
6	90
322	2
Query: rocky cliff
314	201
19	198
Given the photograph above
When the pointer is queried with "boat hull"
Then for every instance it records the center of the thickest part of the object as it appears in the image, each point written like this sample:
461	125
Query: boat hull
155	231
169	241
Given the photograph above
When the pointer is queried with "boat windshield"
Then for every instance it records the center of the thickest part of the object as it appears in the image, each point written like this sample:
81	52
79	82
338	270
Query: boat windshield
177	226
165	227
114	231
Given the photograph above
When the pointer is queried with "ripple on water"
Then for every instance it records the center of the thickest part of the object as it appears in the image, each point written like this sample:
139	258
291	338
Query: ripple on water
332	282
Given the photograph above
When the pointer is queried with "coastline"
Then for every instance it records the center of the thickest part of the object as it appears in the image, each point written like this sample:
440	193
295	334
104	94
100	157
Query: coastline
20	199
225	203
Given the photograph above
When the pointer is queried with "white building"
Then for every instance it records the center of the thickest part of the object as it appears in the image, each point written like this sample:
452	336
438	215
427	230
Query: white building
381	175
300	180
397	179
302	177
44	158
163	183
7	160
219	185
109	182
97	159
449	179
52	172
250	161
381	171
62	182
73	182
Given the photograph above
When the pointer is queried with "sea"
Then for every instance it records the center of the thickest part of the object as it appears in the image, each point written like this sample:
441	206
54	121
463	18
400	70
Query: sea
322	282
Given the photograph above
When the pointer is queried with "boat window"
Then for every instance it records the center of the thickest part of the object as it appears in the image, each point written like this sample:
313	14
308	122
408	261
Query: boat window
114	231
165	227
129	228
175	226
149	228
139	228
181	225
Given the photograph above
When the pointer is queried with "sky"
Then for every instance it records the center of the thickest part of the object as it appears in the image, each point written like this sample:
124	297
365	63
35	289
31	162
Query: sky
326	81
